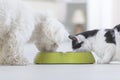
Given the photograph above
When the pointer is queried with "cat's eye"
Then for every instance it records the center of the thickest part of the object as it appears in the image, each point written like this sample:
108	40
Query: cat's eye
77	45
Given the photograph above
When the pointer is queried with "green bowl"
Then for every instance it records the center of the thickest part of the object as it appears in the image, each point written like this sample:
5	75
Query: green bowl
78	57
51	57
64	58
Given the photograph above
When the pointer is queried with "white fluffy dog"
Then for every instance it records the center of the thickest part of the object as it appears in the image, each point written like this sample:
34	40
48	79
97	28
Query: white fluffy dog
20	24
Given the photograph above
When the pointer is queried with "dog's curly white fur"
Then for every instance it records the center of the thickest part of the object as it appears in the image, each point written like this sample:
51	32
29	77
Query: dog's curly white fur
20	24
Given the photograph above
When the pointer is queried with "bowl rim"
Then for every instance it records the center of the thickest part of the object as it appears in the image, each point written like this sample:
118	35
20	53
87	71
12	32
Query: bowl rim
62	52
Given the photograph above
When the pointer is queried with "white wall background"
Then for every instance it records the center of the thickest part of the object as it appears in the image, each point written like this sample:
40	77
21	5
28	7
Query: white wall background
103	13
57	8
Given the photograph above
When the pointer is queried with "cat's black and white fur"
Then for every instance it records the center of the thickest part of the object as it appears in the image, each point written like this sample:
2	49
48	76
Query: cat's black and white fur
105	43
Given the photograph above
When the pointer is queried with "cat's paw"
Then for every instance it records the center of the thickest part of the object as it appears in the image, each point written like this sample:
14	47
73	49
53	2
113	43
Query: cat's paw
99	61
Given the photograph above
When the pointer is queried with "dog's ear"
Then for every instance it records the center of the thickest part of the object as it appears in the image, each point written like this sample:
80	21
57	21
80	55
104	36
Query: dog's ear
72	37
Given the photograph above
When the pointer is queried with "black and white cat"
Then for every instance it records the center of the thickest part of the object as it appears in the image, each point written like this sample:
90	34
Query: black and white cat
105	43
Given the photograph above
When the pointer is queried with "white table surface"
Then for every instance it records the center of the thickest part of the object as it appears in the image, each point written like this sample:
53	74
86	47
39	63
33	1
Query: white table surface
61	72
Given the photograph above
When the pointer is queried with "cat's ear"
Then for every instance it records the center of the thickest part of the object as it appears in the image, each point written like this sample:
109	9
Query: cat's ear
72	37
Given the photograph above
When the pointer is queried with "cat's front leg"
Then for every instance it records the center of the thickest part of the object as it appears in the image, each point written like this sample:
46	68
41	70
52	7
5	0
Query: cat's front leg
107	56
102	61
